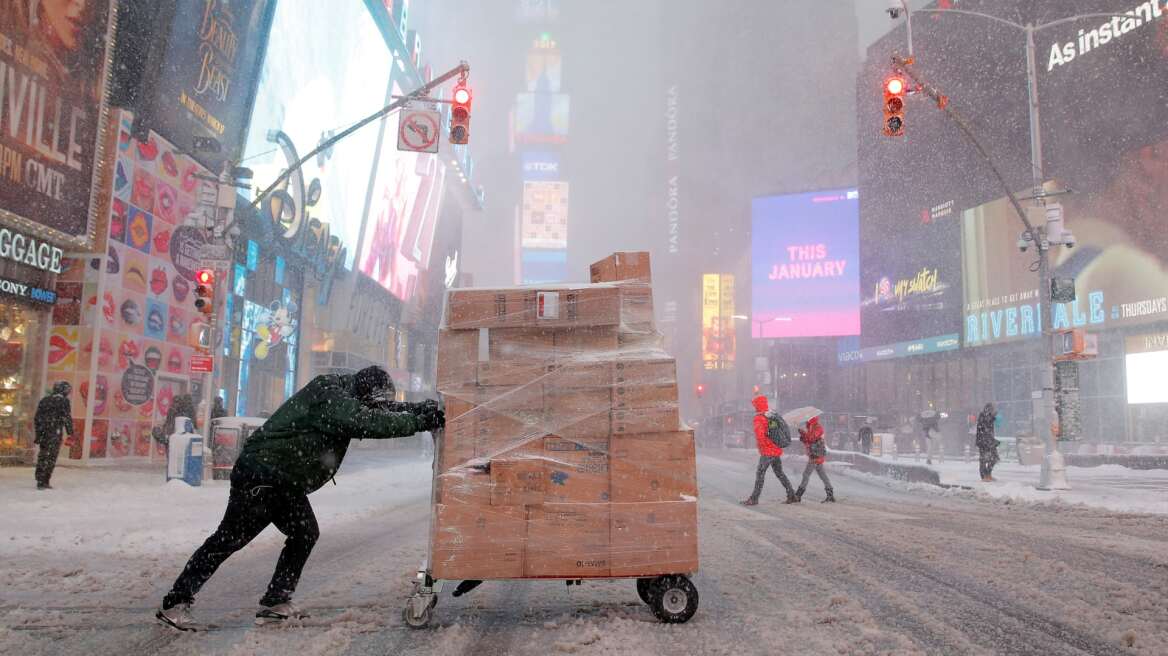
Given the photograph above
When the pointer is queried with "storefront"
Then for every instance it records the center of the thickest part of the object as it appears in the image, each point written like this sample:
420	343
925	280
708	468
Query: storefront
26	304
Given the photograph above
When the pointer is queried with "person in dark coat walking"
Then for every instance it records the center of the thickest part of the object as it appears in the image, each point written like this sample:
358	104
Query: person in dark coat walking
866	439
294	453
811	435
987	444
770	455
53	415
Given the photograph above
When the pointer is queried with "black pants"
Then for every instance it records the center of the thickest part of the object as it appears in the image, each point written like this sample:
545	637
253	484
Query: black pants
47	460
770	462
987	458
818	468
251	506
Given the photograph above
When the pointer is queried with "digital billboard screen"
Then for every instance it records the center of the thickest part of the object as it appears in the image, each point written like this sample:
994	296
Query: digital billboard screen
311	86
805	273
403	213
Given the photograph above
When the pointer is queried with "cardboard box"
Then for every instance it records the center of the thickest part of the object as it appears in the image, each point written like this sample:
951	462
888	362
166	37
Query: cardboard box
577	477
636	305
489	308
646	420
461	426
568	405
463	485
478	542
621	267
644	371
518	479
633	397
458	351
577	307
498	434
649	539
509	399
514	373
521	344
654	467
553	444
568	540
640	339
579	373
584	343
591	428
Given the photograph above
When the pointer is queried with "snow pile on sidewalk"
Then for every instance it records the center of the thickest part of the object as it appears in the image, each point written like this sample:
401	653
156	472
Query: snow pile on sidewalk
107	511
1110	487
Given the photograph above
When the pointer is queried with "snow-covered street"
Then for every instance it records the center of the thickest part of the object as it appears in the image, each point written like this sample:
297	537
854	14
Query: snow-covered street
890	569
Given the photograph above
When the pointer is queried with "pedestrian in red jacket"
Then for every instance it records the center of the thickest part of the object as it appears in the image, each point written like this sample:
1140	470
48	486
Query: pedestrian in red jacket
769	454
811	435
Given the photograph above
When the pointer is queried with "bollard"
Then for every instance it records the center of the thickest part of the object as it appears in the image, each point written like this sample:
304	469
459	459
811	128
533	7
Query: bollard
966	453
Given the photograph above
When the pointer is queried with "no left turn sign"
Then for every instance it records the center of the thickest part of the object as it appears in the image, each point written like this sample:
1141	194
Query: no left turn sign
418	130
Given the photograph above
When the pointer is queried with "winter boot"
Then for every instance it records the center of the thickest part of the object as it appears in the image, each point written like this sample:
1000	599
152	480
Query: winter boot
830	497
177	617
278	613
750	502
798	495
791	498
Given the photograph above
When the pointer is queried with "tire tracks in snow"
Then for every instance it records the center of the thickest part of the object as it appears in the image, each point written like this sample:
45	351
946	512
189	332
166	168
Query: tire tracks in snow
982	610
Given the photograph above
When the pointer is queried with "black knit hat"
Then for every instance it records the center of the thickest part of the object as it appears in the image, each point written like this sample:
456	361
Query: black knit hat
63	388
373	384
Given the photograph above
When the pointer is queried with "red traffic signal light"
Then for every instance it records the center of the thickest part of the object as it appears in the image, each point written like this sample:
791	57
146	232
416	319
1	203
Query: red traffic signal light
895	87
205	291
460	114
700	389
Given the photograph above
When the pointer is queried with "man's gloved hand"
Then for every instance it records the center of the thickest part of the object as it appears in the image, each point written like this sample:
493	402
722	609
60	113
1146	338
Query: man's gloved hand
430	415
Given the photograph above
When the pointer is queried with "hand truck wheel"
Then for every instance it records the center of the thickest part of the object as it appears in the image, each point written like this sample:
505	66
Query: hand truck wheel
419	621
674	598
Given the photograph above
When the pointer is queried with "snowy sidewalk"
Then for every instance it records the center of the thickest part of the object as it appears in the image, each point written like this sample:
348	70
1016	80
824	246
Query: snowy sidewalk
118	511
1110	487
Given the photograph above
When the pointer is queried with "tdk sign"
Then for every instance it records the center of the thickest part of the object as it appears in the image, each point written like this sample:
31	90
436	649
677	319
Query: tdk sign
541	166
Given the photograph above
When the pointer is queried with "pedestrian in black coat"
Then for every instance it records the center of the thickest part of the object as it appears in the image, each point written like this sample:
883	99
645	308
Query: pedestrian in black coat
987	444
53	416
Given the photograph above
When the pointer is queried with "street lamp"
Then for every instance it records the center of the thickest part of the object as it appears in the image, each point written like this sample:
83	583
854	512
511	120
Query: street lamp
1054	473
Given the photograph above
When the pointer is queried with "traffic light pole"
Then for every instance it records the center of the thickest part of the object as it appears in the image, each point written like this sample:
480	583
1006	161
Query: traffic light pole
461	71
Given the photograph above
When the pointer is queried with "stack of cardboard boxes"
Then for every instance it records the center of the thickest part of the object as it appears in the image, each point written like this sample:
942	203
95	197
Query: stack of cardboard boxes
563	456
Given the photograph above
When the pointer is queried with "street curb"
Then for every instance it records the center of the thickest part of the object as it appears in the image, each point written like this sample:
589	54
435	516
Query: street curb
896	471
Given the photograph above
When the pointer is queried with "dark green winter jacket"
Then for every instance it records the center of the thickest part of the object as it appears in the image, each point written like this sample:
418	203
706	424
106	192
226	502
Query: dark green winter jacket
303	443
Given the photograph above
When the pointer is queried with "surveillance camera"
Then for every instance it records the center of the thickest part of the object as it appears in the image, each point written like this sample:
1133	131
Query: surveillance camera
1069	240
1023	244
894	9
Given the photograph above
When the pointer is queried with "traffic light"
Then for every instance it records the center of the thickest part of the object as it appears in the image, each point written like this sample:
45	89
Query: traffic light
205	291
895	87
700	390
460	114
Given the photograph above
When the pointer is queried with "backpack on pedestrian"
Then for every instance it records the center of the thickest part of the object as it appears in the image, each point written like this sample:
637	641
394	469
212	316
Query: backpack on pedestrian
777	430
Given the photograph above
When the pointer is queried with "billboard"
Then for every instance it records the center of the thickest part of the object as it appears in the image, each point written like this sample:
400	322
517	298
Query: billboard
541	266
545	70
313	84
403	213
204	83
805	273
544	217
53	79
1120	263
1147	360
541	118
718	335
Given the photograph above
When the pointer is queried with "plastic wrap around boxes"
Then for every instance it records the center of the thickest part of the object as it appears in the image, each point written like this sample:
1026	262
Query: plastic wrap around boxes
564	456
